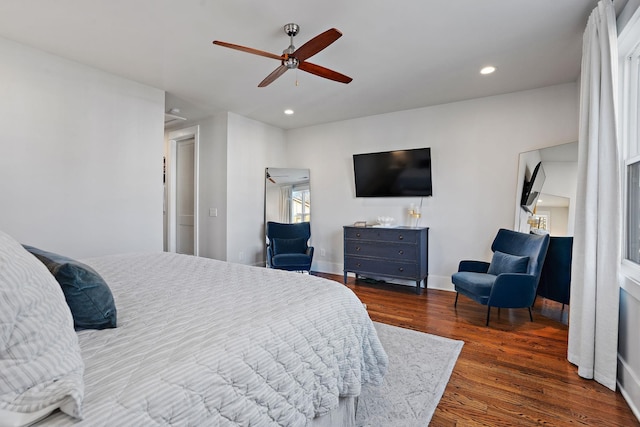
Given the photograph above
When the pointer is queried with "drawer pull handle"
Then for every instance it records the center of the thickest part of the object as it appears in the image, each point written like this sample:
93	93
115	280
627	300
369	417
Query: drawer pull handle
401	269
401	252
358	264
357	234
401	237
357	248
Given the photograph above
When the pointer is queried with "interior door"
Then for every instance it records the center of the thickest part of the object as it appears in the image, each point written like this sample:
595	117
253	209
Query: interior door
185	180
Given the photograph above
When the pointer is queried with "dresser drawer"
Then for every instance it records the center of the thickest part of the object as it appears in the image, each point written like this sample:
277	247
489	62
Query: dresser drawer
376	267
381	234
386	251
400	253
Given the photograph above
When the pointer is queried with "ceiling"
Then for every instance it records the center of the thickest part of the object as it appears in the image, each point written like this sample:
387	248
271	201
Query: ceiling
401	55
280	176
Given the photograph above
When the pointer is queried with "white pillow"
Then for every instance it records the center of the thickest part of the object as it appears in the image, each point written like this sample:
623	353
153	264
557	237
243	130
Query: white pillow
41	366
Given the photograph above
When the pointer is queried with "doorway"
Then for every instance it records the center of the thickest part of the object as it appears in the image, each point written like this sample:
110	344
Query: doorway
181	225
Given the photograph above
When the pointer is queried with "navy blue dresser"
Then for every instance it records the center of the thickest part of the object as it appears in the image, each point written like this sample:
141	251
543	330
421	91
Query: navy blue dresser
398	252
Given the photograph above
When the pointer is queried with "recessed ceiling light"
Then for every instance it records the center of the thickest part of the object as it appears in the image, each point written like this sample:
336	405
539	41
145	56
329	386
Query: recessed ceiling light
488	69
288	112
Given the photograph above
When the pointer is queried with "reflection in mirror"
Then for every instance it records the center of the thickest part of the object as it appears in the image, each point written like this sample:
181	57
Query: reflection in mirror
287	196
553	212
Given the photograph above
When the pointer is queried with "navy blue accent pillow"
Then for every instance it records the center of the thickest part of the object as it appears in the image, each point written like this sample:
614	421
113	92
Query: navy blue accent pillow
506	263
289	246
87	294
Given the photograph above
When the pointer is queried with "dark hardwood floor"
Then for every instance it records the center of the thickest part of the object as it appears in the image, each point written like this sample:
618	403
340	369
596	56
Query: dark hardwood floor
512	373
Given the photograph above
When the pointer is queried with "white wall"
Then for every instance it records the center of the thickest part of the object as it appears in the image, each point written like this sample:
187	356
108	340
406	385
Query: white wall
234	152
213	187
629	344
474	145
81	162
251	147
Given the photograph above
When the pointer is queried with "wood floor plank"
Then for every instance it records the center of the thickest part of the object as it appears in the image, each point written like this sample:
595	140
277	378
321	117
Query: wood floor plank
513	373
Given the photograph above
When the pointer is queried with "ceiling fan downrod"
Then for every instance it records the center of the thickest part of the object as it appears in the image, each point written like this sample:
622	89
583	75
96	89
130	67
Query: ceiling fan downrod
290	62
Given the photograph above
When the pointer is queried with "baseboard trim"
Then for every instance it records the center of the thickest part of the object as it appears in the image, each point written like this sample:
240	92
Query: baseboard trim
433	282
327	267
629	386
442	283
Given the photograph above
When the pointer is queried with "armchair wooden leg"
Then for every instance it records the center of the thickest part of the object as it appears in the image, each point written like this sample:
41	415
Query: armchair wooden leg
488	314
455	304
530	315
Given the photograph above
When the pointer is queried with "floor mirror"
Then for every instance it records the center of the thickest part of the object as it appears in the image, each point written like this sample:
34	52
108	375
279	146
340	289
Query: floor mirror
287	196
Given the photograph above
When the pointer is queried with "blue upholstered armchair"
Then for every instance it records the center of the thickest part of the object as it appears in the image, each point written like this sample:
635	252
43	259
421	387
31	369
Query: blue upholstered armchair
511	279
288	246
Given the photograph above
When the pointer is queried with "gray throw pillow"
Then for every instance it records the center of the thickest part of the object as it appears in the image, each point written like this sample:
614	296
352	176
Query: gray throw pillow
86	292
506	263
289	246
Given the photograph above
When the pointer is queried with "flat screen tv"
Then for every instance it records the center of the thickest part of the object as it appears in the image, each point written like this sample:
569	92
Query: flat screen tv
532	188
400	173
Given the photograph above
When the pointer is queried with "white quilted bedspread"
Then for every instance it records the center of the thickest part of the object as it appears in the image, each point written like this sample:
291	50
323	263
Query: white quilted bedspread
208	343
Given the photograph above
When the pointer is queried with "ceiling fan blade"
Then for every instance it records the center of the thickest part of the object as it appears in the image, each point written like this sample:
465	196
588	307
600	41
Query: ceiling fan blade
249	50
274	75
324	72
316	44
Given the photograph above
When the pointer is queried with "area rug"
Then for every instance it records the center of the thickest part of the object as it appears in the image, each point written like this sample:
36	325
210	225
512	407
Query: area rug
420	366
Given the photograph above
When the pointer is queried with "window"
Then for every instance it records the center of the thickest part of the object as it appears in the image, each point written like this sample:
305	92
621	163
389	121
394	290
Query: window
301	205
632	252
628	131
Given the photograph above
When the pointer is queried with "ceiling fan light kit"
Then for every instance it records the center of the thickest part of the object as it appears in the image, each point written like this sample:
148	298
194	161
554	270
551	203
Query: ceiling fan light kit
293	58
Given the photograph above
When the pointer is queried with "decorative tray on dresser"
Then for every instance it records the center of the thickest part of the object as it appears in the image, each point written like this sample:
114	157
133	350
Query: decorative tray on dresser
396	252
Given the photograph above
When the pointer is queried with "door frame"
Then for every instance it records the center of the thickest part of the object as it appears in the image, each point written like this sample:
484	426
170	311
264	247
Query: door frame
173	138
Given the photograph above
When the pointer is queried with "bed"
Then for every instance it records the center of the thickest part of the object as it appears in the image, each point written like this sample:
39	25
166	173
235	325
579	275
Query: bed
202	342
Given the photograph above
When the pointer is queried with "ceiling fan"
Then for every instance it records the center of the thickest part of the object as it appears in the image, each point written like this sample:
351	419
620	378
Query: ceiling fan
270	177
293	58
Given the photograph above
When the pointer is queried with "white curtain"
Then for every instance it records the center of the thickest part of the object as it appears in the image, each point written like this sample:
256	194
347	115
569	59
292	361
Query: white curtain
286	192
593	319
